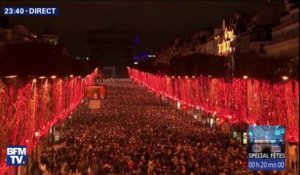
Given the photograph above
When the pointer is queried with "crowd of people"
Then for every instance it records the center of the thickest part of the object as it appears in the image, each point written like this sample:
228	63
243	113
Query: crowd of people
135	133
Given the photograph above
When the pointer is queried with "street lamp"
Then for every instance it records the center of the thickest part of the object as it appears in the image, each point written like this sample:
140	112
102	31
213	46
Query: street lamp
245	77
285	78
36	134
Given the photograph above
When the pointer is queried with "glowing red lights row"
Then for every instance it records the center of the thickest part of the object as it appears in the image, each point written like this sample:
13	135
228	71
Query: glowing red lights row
238	100
28	112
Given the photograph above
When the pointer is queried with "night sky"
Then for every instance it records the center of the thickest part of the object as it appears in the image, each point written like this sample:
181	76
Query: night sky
155	22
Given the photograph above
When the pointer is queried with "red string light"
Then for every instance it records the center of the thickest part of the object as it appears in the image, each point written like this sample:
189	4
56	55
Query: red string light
237	100
36	107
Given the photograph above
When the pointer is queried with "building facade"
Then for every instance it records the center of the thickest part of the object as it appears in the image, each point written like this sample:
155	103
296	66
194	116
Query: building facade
49	38
210	43
224	41
285	41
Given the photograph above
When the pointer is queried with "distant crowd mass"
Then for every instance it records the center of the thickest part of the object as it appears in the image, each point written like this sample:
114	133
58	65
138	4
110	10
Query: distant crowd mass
134	133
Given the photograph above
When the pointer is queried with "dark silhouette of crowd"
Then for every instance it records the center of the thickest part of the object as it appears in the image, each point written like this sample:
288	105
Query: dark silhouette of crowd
134	133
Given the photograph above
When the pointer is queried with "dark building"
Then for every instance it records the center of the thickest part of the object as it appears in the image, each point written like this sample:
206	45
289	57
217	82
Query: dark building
285	35
4	22
254	33
112	50
40	59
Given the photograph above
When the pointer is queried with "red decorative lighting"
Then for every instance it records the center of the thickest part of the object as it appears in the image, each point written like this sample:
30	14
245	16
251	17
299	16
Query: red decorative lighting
243	99
28	112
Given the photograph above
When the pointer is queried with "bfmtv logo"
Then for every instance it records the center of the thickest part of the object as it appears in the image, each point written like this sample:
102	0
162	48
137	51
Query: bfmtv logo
16	155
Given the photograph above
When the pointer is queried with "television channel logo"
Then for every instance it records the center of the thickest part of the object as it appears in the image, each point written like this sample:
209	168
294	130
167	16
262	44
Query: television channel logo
16	155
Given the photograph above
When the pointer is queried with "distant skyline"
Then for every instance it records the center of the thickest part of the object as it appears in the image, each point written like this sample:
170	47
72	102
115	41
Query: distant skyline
155	22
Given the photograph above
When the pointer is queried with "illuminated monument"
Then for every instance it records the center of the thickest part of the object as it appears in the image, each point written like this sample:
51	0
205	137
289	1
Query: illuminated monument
95	93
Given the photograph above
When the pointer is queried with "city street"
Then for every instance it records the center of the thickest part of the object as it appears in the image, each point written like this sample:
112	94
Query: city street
134	133
149	87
